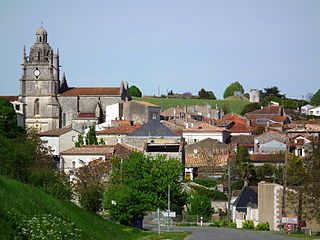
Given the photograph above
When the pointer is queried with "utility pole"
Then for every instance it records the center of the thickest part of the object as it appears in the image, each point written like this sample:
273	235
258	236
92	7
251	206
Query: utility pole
168	206
284	194
229	184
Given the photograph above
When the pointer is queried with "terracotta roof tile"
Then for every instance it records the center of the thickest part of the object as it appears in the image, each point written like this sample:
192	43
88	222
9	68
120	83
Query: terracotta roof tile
122	129
242	140
145	103
86	115
271	110
90	150
92	91
10	98
57	131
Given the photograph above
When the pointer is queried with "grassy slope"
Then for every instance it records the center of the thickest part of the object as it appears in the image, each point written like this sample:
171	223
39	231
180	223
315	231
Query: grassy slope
227	105
30	200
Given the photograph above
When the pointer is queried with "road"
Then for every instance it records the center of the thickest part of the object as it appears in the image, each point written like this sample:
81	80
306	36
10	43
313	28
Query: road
211	233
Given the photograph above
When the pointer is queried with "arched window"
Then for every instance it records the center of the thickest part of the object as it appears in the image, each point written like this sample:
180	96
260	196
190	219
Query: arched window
36	107
64	120
40	38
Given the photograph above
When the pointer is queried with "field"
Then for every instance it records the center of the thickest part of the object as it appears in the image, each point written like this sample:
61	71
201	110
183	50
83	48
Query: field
228	106
32	201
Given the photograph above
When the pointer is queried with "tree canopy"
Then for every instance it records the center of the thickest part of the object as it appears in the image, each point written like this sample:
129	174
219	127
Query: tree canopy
8	120
140	184
272	92
233	87
203	94
315	100
134	91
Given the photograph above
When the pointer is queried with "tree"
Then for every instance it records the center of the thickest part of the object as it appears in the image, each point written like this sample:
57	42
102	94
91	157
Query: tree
8	120
135	91
91	137
250	108
90	184
203	94
244	168
140	184
199	205
229	91
272	92
315	100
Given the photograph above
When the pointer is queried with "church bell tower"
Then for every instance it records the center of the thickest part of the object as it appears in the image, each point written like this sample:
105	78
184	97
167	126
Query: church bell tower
39	84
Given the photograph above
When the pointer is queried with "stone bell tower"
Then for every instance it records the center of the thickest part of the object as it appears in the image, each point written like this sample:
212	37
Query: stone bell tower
39	84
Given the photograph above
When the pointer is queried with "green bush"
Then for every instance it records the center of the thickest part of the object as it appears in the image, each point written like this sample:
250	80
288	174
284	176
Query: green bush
223	223
91	197
262	227
215	224
248	224
206	182
212	194
232	225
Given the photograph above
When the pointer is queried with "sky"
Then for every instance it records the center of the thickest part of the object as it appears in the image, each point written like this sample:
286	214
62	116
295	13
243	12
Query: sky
179	45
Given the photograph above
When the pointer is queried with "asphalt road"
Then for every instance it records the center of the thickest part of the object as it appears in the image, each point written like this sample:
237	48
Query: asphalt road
211	233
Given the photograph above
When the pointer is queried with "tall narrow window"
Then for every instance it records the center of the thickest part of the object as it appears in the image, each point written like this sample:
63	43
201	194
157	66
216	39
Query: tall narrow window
64	120
36	107
40	38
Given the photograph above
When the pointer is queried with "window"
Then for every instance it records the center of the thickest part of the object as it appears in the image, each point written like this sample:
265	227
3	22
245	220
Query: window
195	151
17	107
36	107
317	112
154	116
73	164
64	120
194	140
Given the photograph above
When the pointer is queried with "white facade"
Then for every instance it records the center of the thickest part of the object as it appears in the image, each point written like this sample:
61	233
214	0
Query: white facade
71	162
61	143
112	113
192	137
314	111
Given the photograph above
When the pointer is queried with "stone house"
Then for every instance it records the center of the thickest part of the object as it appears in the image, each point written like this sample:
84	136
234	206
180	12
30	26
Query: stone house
155	138
140	112
270	142
206	159
204	130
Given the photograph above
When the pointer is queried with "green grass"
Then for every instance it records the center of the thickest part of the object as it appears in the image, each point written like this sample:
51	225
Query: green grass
30	200
168	236
227	105
298	235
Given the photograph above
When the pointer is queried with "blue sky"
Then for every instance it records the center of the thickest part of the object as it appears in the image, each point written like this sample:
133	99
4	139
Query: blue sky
180	45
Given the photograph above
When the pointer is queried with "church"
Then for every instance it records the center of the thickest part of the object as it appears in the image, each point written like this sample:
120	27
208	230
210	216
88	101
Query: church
49	102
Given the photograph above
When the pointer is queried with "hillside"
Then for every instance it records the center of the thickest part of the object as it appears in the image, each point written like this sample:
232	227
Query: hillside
31	201
228	106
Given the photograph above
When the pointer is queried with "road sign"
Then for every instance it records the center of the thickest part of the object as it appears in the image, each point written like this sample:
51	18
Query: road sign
292	220
289	227
171	214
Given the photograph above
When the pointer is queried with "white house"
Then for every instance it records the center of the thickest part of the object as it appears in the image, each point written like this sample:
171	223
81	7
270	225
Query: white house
203	131
60	140
314	111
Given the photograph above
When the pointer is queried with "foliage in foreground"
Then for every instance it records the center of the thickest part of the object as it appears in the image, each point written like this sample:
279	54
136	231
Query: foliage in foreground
33	202
140	184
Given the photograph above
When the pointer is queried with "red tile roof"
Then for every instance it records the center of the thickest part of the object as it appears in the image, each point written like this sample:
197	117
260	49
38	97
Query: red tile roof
145	103
86	115
90	150
10	98
122	129
238	125
271	110
57	131
92	91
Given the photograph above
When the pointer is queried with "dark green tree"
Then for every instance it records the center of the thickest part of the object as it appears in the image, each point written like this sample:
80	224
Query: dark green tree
140	184
272	92
199	205
203	94
135	91
250	108
91	137
229	91
315	100
8	120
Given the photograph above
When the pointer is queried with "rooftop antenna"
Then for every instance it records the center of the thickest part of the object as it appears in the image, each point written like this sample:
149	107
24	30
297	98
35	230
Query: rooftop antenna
41	23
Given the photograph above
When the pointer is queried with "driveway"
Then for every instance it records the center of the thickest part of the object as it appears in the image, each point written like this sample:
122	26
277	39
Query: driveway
212	233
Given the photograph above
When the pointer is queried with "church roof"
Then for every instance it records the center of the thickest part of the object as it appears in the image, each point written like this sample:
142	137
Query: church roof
115	91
